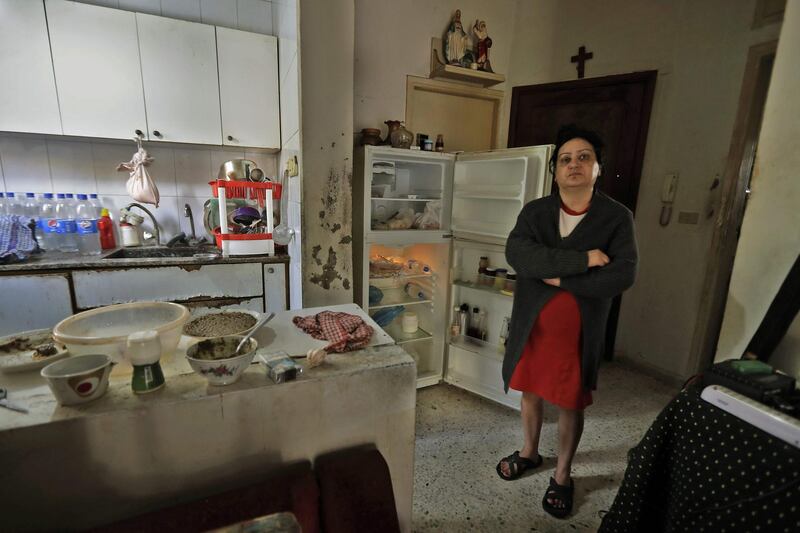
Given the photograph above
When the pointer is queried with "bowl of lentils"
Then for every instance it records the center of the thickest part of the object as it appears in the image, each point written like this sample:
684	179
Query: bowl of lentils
212	323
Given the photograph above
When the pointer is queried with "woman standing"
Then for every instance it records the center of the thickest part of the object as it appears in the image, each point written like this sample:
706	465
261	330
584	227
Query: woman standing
573	252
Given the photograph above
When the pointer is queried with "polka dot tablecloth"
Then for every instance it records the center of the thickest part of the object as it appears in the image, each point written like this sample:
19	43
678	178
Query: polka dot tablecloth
699	469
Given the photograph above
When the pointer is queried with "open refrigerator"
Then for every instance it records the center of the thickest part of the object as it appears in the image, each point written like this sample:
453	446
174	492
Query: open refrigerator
422	222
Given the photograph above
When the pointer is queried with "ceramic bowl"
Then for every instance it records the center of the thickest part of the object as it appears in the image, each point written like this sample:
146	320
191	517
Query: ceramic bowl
106	329
78	379
222	370
204	312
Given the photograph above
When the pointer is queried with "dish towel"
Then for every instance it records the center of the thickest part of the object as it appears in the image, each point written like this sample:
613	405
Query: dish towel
345	332
16	238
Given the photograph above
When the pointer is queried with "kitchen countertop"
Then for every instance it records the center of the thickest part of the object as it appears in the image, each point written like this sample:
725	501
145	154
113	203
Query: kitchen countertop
65	261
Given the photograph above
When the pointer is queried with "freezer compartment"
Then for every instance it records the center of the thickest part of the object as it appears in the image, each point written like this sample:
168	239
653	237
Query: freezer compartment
411	278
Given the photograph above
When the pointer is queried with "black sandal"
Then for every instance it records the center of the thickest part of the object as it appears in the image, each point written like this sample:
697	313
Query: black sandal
561	493
517	465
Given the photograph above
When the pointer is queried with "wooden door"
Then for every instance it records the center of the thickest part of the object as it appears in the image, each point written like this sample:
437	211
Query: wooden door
617	108
181	85
96	61
28	101
248	85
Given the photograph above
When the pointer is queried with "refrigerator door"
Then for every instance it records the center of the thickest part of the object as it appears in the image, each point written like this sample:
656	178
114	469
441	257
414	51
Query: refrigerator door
490	189
475	357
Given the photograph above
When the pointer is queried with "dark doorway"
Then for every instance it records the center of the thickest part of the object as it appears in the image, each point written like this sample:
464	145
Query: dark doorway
616	107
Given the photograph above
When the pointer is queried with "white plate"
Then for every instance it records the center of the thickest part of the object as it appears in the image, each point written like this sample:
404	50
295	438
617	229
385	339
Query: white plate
20	358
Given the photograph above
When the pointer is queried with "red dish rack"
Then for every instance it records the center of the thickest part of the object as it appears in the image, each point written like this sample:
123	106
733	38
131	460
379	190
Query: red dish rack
264	193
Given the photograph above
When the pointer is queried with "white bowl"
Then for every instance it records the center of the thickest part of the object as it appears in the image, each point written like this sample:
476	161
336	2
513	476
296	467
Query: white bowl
78	379
105	330
226	370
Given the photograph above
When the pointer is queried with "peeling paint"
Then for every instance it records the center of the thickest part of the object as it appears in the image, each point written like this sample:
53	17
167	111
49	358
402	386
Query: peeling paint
347	239
336	227
333	144
346	284
190	268
315	254
329	273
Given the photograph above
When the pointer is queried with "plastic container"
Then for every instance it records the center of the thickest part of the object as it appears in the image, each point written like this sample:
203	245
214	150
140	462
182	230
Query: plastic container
409	322
500	278
129	234
88	235
488	277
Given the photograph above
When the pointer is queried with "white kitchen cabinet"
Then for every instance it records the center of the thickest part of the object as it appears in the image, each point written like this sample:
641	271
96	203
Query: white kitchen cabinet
28	101
94	288
275	283
33	302
181	85
96	61
248	88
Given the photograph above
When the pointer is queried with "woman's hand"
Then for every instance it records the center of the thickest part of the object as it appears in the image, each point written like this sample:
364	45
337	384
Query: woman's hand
555	282
597	258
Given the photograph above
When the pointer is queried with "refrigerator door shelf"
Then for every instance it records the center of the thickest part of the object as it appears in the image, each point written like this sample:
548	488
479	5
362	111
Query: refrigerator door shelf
407	237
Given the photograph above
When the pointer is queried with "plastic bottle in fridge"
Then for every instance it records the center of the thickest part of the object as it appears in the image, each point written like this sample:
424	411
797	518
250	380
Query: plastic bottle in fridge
67	228
417	291
88	234
47	231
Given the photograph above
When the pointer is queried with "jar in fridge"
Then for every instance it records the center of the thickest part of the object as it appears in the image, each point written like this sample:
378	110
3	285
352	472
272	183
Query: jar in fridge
488	276
500	278
511	282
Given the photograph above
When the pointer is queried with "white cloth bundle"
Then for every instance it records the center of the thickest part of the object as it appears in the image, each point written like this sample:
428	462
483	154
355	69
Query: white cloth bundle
141	186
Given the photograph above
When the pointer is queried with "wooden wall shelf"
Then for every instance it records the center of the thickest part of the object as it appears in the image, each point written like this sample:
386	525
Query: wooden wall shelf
439	69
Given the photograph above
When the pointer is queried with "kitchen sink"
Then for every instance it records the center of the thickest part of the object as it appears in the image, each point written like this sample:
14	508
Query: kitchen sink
149	252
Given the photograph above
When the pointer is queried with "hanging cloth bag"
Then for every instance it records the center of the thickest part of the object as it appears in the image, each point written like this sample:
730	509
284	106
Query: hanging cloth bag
141	186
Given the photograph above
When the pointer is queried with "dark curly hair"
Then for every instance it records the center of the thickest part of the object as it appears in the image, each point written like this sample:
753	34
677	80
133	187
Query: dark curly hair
571	131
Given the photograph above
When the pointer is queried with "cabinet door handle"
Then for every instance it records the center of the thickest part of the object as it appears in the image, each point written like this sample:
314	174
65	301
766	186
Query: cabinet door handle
271	270
230	137
139	133
157	133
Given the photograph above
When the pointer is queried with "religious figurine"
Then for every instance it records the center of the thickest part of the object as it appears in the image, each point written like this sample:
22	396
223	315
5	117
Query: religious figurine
456	41
484	42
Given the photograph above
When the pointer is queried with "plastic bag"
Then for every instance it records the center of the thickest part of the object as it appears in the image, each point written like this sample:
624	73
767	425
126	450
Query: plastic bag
404	219
141	186
430	219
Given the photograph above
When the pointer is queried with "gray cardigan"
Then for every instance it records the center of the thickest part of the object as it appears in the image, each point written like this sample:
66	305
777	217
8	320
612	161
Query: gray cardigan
536	251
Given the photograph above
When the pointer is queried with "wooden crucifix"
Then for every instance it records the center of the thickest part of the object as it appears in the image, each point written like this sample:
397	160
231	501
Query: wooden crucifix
581	59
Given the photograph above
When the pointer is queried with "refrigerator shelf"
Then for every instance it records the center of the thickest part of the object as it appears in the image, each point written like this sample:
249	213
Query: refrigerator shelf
515	198
395	331
398	277
395	297
477	346
484	288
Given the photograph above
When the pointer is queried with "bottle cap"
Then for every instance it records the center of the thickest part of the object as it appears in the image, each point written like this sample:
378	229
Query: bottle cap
10	194
104	212
60	195
69	195
30	195
82	197
93	196
48	195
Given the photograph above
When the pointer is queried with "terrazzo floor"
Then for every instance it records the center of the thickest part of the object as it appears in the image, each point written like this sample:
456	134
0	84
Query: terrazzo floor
461	437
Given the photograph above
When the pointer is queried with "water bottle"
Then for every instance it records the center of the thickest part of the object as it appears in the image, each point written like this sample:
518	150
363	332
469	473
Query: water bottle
67	229
13	206
417	291
88	234
47	235
31	206
96	204
3	204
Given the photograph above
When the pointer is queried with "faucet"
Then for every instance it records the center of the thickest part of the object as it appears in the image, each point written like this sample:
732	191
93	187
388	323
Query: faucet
187	212
152	218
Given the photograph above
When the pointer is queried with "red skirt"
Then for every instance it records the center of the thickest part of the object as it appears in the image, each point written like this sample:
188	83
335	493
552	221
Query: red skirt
550	365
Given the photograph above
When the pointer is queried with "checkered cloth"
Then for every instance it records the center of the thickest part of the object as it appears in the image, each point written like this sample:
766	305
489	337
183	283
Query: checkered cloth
16	238
345	331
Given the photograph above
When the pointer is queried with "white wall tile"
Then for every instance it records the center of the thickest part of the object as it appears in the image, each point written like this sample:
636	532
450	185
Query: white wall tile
25	164
287	54
181	9
152	7
193	172
284	19
162	169
219	12
166	214
295	189
290	109
106	158
72	166
266	162
218	157
197	212
106	3
255	16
